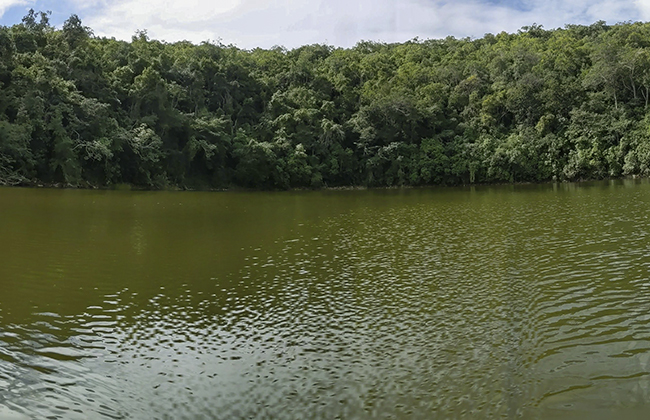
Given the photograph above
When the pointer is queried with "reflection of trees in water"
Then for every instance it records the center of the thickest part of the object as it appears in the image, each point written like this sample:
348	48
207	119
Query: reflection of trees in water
138	239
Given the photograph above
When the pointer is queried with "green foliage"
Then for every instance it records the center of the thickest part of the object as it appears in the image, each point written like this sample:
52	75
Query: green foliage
16	160
537	105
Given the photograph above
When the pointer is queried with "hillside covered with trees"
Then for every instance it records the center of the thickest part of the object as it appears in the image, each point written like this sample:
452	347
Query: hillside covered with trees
539	105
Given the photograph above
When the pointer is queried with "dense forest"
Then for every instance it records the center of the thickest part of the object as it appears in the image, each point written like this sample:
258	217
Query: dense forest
563	104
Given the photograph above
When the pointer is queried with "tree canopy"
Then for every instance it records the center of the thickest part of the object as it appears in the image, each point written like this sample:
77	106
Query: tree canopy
563	104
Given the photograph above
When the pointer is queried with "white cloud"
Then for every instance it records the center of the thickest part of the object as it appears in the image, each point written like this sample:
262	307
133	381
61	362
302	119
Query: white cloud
6	4
264	23
644	7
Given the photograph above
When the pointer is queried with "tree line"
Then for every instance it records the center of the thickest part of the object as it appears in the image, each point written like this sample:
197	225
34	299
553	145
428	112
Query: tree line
536	105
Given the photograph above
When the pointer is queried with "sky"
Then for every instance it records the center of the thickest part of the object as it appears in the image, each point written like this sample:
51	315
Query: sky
292	23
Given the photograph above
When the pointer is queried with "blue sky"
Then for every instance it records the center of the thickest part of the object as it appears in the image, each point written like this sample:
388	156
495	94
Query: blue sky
265	23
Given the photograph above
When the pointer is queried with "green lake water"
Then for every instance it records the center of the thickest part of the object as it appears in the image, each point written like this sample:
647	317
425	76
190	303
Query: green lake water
528	301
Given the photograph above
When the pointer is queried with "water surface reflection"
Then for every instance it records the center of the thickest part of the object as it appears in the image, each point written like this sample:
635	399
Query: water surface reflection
527	301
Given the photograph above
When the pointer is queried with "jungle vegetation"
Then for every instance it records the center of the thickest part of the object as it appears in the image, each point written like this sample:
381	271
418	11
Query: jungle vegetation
536	105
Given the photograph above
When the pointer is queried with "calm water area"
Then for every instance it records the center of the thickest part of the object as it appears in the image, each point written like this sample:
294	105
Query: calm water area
527	301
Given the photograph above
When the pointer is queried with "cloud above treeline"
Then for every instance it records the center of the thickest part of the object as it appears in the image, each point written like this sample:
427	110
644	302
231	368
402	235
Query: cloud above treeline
291	23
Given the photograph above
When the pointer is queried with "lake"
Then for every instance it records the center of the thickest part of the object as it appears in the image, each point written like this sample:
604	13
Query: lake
528	301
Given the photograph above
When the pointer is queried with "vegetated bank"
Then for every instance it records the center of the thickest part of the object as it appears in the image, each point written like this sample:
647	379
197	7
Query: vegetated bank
538	105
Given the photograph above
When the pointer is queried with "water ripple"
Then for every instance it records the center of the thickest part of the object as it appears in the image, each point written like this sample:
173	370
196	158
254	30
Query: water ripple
460	303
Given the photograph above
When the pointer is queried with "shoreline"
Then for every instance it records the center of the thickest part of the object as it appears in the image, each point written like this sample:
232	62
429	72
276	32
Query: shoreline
129	187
